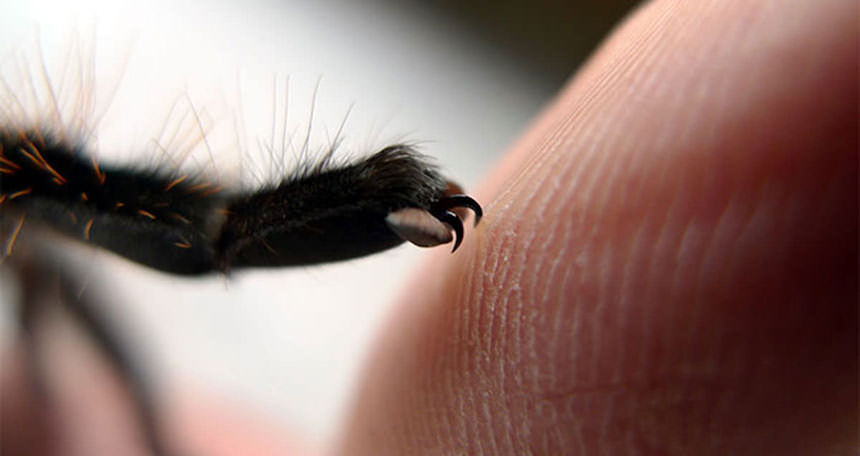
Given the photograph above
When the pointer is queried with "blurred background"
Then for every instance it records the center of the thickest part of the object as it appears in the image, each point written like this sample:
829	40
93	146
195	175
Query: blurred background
460	79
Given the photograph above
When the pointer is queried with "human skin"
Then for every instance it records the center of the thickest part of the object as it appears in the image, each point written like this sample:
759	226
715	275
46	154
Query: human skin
667	262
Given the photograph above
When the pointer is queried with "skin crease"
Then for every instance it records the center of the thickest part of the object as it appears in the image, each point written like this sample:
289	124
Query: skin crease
667	263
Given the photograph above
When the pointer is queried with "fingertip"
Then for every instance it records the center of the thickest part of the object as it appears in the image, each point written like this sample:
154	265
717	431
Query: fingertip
668	255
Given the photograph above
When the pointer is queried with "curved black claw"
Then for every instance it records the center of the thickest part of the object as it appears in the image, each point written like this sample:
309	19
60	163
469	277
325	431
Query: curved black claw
453	201
451	219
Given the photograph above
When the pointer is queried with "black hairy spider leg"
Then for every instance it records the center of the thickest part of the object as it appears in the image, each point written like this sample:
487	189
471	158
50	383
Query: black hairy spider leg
335	214
34	272
182	225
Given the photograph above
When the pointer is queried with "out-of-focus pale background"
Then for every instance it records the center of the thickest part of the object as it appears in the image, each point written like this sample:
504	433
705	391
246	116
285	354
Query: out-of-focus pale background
460	80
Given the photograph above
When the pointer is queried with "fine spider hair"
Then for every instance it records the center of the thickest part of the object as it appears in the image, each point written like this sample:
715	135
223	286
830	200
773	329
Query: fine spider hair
53	186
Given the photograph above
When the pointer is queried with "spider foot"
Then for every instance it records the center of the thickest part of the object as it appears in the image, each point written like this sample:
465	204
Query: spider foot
429	228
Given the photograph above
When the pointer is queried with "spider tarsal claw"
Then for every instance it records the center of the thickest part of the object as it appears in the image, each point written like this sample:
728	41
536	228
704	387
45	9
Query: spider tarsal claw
453	221
459	201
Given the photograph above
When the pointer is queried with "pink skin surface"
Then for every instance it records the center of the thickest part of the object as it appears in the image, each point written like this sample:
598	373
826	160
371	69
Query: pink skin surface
667	264
668	261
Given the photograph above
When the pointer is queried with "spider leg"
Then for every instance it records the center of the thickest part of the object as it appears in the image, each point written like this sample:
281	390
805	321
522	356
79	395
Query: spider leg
84	309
